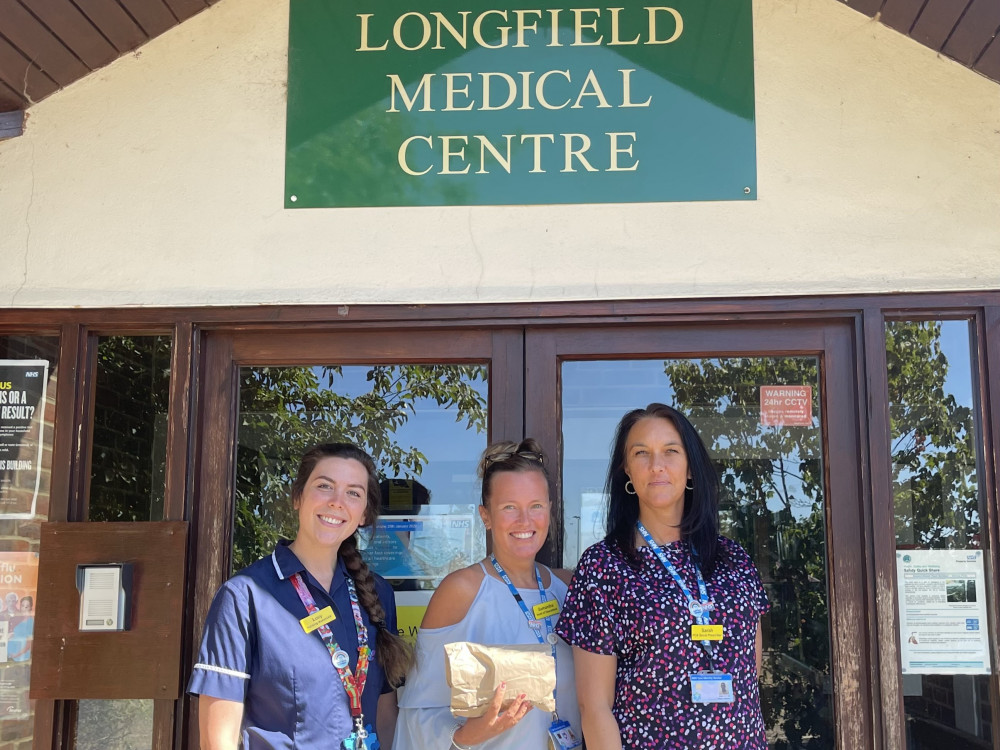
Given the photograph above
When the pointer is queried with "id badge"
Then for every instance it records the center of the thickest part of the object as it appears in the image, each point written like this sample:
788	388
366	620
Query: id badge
545	609
712	687
317	619
368	742
707	633
561	736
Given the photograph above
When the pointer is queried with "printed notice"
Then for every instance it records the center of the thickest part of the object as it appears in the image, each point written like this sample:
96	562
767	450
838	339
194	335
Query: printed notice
410	609
18	581
942	612
421	546
22	399
786	405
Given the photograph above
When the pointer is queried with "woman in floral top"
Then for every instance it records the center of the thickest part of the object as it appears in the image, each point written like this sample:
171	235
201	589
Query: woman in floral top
651	685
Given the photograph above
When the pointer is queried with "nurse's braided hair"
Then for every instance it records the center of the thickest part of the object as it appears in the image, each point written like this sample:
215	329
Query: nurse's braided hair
393	653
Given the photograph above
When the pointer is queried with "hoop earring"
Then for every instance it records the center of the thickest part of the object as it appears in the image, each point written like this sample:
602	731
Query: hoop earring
689	486
629	491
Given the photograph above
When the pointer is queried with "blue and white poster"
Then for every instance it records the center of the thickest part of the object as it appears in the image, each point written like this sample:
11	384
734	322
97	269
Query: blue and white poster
942	611
421	546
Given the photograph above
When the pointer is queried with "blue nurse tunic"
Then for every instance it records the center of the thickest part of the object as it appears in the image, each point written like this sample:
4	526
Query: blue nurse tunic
254	651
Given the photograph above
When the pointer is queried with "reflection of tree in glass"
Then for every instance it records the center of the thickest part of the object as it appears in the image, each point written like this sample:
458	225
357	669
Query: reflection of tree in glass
130	419
772	504
936	498
114	725
933	452
284	410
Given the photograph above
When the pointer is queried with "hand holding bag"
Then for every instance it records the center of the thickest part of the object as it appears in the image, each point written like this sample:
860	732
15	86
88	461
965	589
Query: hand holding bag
474	671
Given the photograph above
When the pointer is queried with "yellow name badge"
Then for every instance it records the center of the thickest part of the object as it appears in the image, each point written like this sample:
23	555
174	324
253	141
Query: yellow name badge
706	633
546	609
313	621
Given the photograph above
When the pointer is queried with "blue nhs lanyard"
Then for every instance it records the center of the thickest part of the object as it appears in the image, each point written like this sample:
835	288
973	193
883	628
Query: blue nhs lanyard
549	635
700	608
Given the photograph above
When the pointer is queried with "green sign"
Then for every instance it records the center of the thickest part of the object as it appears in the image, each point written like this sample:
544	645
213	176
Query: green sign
414	103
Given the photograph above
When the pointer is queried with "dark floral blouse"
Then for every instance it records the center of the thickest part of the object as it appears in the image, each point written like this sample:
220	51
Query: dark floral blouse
642	617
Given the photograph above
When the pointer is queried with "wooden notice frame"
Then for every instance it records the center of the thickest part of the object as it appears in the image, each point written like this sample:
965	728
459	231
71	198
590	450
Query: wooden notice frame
141	662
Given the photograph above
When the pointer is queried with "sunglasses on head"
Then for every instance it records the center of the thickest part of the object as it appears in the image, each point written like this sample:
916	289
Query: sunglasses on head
507	455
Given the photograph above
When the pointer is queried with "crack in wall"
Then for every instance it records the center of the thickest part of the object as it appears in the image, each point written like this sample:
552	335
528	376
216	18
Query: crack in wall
479	256
27	235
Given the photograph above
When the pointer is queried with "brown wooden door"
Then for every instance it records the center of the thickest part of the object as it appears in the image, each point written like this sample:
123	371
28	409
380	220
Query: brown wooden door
308	373
792	493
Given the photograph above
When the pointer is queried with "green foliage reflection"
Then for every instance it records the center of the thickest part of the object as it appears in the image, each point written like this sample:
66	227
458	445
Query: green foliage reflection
284	410
935	487
129	451
772	504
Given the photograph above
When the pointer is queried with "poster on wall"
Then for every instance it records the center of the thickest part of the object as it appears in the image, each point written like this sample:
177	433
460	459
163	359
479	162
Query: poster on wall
410	609
22	399
18	584
942	612
421	546
455	103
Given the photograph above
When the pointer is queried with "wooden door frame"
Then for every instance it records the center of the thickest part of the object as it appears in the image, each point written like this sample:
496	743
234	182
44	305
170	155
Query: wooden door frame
853	634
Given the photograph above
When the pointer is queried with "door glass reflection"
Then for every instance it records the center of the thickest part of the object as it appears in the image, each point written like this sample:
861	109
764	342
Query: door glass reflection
128	454
425	426
114	725
938	503
760	419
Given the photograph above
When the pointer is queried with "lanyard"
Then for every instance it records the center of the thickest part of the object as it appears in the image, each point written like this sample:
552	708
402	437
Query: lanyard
549	635
699	608
354	686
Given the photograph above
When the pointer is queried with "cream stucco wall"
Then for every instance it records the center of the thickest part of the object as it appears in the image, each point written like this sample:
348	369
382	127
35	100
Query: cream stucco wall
158	181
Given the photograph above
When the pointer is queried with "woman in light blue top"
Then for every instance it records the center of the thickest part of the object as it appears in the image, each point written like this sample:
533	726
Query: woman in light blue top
478	604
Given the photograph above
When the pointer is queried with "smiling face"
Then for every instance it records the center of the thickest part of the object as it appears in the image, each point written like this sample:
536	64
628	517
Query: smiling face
518	513
332	504
657	465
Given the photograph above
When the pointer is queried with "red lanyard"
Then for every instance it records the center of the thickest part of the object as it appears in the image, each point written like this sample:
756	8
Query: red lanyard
354	686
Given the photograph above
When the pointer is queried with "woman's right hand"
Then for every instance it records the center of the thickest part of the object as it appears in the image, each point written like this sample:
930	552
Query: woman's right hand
494	722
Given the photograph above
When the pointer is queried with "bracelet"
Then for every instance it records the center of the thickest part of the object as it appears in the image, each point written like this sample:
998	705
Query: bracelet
454	742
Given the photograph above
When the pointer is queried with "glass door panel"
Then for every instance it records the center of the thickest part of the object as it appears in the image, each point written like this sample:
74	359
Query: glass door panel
29	366
759	417
425	426
422	403
779	411
941	542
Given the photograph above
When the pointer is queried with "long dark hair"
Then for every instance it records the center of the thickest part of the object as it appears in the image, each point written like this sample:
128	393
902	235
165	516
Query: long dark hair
392	652
700	521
